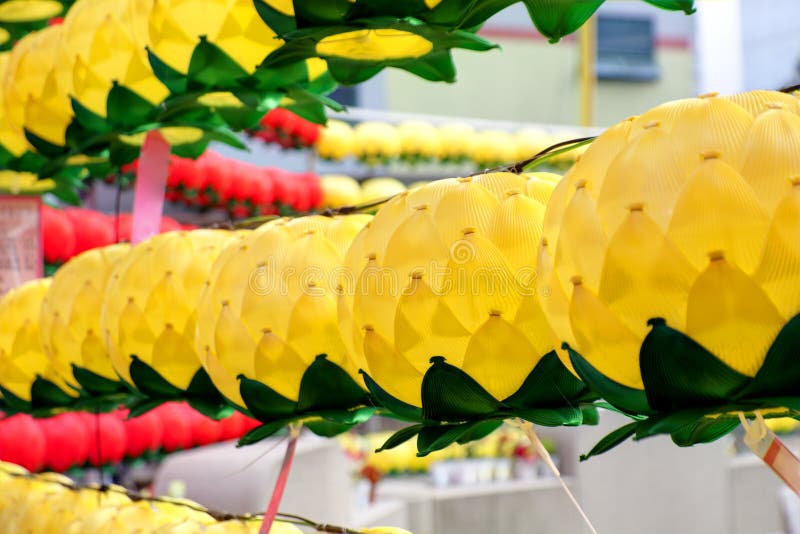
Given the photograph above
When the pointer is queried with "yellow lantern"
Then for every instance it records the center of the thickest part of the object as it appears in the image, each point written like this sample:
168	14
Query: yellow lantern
268	315
105	43
149	312
457	141
336	141
177	27
439	295
23	361
70	317
671	255
419	141
376	142
27	79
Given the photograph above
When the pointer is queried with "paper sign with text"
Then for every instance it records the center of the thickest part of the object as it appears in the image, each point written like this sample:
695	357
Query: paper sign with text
20	241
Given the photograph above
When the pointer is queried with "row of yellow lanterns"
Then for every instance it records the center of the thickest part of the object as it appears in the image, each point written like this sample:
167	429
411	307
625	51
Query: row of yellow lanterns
662	273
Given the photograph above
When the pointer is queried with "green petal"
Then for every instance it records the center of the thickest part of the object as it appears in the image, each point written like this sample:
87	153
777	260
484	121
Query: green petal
679	373
629	400
613	439
780	373
550	384
449	394
321	379
557	18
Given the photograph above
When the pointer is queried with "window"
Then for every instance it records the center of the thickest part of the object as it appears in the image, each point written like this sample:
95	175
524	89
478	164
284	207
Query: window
626	49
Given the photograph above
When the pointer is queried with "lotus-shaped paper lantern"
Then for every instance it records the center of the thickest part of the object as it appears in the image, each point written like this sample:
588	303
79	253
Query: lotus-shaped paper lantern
70	320
233	26
358	38
25	76
149	315
672	257
493	148
376	142
12	140
336	141
457	141
268	317
107	50
419	141
28	381
438	307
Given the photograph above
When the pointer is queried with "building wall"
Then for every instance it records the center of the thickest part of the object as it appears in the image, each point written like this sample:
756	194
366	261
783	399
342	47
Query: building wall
530	80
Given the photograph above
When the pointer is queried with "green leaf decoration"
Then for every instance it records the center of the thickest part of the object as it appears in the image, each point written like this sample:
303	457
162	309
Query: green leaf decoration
320	12
148	381
400	437
212	69
679	373
66	193
88	118
780	373
348	417
210	408
687	6
629	400
13	402
397	407
321	379
327	429
435	438
591	417
615	438
567	416
704	431
279	22
550	384
477	14
171	78
264	431
142	406
45	394
668	423
126	110
191	150
45	148
557	18
120	153
436	65
264	403
449	394
479	431
95	384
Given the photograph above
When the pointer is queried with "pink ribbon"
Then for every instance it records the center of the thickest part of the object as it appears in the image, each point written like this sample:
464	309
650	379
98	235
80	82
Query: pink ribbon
151	183
280	484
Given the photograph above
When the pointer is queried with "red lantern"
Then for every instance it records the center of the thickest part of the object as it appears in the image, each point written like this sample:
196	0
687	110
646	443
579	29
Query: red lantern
176	424
66	441
143	433
204	429
232	427
22	442
58	235
92	228
107	440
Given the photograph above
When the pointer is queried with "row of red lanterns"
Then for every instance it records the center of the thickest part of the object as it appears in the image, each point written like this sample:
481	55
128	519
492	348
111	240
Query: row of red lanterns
284	128
68	232
81	439
244	189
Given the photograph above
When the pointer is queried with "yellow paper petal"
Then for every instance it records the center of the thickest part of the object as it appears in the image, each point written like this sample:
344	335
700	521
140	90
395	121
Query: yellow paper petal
730	316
